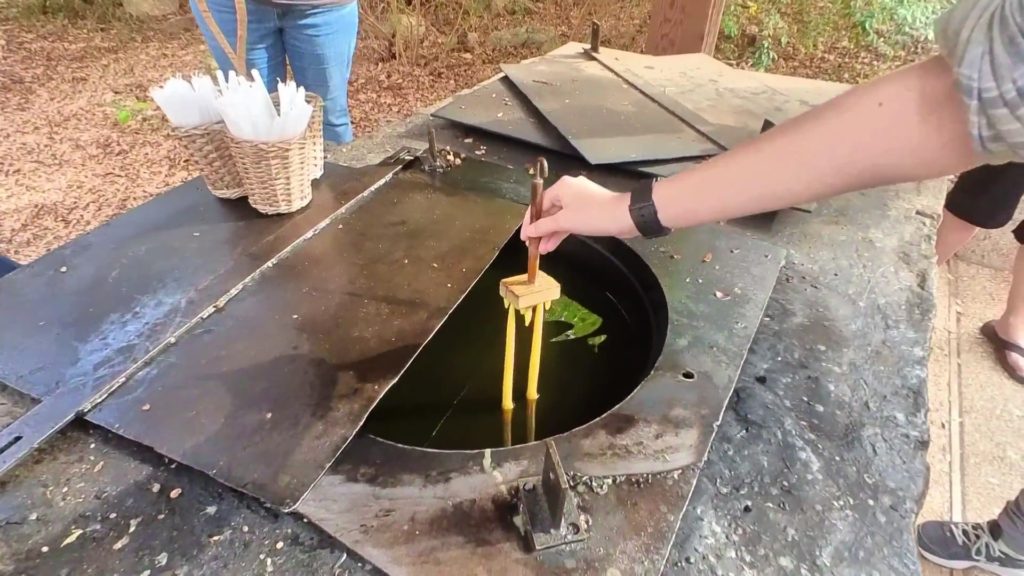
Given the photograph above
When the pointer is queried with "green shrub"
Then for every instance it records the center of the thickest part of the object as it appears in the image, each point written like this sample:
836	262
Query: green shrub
759	32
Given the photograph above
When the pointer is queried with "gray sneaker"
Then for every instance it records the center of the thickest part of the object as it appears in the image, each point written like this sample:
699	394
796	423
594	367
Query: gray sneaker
962	545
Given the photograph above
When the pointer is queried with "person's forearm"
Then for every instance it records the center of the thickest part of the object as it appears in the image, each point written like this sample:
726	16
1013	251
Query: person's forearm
907	126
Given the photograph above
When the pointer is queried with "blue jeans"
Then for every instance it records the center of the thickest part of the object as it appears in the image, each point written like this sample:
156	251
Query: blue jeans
318	41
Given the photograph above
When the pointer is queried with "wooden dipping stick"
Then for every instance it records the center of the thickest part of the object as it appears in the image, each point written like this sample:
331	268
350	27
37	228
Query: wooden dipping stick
531	294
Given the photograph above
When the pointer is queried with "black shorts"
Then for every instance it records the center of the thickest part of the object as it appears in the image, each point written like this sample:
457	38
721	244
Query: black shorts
987	196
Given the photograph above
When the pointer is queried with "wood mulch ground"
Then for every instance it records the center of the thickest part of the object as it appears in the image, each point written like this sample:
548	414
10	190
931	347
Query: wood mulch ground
69	165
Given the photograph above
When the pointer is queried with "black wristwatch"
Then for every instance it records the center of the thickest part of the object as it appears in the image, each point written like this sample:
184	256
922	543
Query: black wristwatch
644	212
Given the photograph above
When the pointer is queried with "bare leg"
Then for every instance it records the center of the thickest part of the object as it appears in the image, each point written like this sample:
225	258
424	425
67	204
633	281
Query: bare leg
951	236
1010	325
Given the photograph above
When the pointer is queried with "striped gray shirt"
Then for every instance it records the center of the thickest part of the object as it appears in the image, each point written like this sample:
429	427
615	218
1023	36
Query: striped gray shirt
984	42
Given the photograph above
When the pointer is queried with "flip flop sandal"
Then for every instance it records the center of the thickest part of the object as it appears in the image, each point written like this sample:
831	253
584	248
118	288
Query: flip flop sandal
988	330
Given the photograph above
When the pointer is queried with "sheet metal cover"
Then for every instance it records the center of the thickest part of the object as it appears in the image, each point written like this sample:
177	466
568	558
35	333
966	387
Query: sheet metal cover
420	512
728	97
606	119
498	108
264	394
86	312
724	118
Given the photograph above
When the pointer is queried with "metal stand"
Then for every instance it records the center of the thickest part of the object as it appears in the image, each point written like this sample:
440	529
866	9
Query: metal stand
548	507
435	160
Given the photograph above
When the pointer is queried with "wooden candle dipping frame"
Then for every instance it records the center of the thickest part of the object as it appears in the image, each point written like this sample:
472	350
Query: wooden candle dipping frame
531	294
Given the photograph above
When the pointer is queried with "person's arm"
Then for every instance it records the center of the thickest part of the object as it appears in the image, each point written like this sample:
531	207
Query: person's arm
908	125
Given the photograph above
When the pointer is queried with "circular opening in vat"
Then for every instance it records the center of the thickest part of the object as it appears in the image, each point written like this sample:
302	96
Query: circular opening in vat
688	375
600	340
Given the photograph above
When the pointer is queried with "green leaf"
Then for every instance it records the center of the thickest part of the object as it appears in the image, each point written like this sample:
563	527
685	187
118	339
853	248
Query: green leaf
583	321
595	341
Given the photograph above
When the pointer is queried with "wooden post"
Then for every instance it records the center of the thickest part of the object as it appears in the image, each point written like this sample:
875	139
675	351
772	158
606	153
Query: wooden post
684	26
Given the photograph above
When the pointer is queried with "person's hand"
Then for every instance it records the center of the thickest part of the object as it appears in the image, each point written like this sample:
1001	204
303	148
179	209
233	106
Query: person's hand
576	205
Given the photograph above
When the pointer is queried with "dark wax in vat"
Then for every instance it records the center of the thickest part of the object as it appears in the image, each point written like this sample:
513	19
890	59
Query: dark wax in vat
449	397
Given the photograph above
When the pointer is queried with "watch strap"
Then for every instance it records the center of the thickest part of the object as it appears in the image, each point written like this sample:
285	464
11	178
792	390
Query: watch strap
644	213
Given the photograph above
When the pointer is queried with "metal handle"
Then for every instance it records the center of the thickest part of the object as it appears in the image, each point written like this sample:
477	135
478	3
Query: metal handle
536	211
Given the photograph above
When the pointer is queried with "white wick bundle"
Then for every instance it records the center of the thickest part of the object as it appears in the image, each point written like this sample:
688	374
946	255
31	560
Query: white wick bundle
188	105
249	112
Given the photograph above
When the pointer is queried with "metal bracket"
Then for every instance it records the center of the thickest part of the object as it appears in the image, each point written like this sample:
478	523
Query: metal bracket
400	157
434	160
548	508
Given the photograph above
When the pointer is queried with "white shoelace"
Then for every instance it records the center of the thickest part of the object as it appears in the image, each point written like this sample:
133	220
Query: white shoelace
976	535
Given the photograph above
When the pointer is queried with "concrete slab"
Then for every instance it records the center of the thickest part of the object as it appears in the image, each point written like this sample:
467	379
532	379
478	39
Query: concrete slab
993	404
90	482
825	470
937	505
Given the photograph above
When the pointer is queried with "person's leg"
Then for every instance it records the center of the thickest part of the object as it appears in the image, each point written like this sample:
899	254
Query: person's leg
996	546
1009	328
320	43
951	236
984	197
264	44
1011	521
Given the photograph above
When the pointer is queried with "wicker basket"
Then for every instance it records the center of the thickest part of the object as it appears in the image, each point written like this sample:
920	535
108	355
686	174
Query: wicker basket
275	174
210	148
315	136
277	177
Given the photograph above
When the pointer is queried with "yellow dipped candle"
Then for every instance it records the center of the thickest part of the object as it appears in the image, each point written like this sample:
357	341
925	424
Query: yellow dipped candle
538	326
531	419
506	423
510	359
